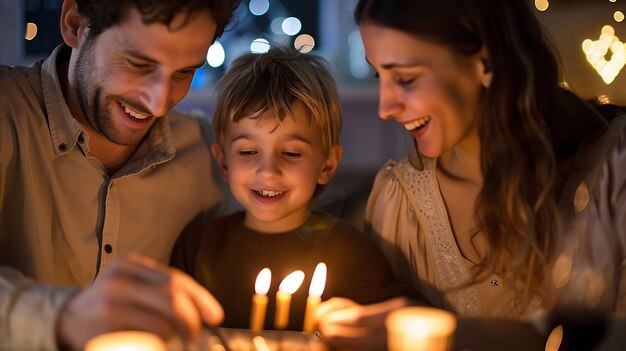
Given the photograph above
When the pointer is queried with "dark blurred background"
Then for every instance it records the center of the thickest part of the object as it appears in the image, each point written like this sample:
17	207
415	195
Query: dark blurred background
29	30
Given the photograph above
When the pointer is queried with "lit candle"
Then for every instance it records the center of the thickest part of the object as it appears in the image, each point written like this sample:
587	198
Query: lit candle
259	300
287	287
126	340
420	329
318	282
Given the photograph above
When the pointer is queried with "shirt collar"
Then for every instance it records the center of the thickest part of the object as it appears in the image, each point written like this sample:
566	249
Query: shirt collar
64	129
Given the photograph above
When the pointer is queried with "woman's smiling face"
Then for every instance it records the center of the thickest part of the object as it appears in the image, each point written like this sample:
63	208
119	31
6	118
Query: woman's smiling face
433	92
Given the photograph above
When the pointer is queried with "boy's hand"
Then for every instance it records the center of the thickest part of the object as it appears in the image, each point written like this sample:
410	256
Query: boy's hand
138	293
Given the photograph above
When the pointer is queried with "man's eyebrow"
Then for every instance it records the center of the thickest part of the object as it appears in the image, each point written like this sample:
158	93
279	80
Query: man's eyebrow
140	56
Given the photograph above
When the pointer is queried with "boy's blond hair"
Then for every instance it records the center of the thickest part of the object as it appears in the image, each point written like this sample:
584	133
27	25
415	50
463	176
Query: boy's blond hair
274	81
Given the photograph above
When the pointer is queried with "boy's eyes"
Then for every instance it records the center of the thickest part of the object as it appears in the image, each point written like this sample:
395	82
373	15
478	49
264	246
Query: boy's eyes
288	154
292	154
247	153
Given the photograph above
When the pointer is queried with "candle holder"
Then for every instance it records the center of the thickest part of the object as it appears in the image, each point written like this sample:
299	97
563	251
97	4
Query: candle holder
420	329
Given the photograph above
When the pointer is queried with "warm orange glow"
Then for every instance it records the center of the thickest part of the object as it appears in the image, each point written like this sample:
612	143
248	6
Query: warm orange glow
31	31
292	282
260	343
597	51
420	329
318	282
542	5
126	340
263	281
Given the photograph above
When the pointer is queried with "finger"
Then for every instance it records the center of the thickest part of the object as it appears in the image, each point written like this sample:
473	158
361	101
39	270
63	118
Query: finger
358	338
334	304
175	295
141	268
149	271
169	301
373	315
129	317
208	307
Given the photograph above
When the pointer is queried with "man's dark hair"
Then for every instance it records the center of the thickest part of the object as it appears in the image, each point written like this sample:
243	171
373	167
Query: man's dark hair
102	14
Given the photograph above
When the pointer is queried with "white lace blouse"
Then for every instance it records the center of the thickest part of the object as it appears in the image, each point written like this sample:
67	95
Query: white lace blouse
407	216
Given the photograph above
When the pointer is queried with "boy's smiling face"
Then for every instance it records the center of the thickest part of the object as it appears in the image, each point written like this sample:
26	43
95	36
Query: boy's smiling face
273	170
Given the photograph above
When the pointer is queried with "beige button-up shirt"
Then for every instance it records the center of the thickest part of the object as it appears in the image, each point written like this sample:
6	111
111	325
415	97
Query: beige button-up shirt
63	219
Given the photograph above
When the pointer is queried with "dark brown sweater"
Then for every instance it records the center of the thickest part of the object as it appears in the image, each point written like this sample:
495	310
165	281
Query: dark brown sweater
225	256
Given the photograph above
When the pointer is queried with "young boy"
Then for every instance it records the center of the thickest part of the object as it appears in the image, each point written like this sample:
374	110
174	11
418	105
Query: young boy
277	121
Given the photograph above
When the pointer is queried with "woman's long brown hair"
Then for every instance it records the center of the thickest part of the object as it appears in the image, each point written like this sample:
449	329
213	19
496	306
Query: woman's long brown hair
527	124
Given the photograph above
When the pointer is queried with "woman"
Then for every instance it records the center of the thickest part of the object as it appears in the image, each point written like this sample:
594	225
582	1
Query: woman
515	197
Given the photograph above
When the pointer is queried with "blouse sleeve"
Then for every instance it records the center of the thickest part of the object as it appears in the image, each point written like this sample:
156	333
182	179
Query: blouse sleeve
589	271
391	221
618	204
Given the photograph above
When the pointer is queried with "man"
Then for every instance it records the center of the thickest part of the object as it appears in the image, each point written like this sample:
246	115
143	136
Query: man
95	166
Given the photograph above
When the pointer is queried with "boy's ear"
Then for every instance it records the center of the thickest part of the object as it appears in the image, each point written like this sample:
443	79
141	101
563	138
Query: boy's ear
330	165
486	68
216	150
73	25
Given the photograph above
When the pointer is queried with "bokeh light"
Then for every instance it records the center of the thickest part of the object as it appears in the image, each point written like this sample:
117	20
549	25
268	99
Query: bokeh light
216	55
277	25
542	5
291	26
607	54
618	16
304	43
259	7
31	31
259	46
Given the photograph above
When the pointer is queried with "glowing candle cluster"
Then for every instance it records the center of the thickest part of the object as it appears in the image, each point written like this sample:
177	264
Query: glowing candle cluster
286	289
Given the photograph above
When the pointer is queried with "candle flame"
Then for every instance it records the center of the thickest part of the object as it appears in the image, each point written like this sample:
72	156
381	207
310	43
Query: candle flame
263	281
318	283
292	282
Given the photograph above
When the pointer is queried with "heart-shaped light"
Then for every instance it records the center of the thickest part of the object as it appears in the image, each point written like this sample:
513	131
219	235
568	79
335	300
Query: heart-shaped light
597	50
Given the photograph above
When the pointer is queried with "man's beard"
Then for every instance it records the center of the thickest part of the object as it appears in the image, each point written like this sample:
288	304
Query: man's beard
98	116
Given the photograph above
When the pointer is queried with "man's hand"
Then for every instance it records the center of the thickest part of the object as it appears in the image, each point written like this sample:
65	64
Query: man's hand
347	325
137	293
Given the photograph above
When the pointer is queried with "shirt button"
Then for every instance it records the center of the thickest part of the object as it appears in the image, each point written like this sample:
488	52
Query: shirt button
81	139
108	248
62	147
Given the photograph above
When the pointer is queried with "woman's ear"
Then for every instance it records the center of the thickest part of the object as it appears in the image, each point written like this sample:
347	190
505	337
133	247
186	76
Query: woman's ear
73	24
330	165
216	151
486	68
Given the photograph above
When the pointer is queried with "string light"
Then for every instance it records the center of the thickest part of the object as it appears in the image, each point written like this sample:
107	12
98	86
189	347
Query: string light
596	51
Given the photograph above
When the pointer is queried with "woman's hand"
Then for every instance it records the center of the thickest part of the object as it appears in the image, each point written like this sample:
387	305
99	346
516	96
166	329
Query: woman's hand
138	293
347	325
